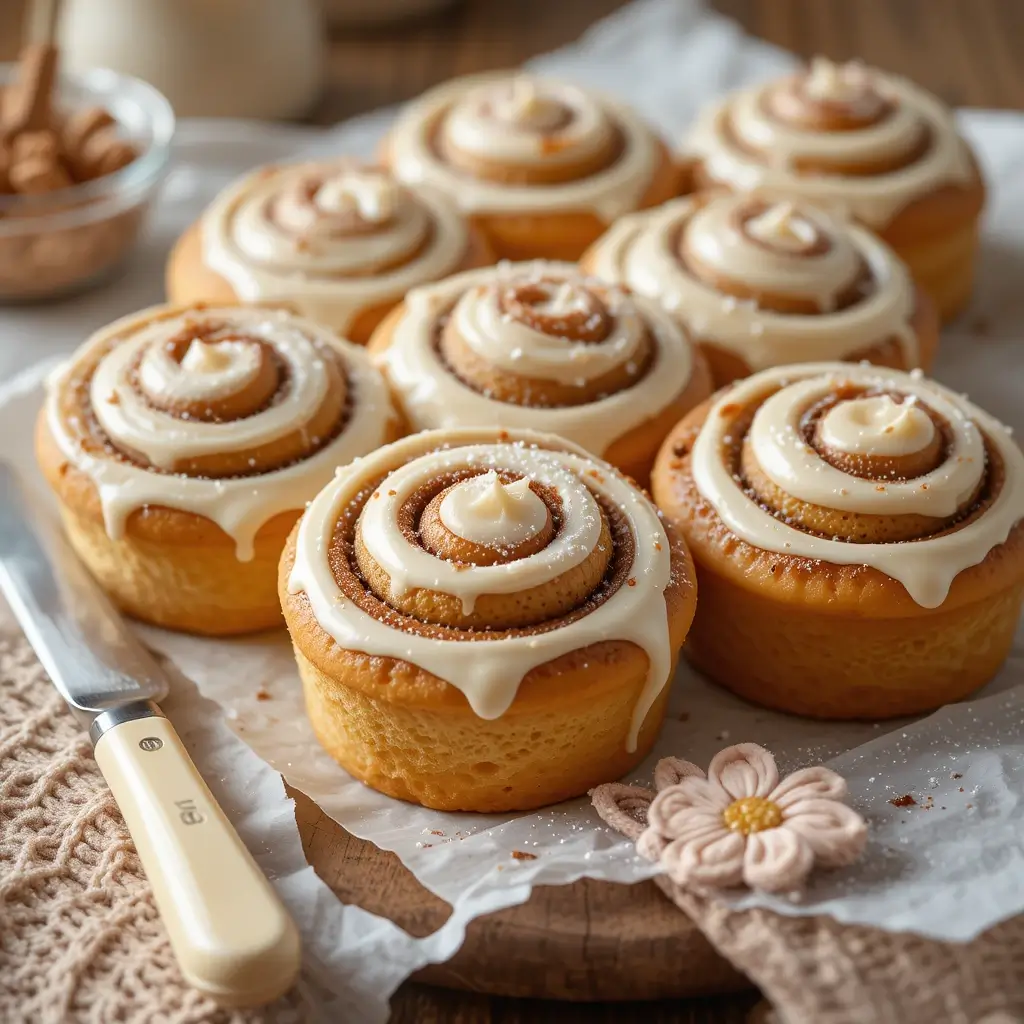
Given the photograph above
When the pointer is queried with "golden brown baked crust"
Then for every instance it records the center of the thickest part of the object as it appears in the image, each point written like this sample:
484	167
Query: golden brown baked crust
167	565
410	734
830	640
566	236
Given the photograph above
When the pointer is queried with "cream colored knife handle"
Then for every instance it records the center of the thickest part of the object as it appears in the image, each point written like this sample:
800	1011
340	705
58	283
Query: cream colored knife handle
231	935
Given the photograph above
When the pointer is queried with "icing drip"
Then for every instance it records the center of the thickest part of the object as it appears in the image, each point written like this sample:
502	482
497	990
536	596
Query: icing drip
926	567
745	147
489	672
514	121
440	400
238	505
643	252
483	510
878	425
333	239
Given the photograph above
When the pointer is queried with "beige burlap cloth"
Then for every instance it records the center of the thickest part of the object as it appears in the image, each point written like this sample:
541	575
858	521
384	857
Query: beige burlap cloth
80	938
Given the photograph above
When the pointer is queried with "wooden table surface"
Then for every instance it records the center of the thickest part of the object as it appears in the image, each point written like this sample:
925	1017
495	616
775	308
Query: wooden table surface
970	52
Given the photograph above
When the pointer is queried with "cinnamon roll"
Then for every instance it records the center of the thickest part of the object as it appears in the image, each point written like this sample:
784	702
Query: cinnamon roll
858	538
761	282
337	241
485	620
870	144
539	345
542	166
183	443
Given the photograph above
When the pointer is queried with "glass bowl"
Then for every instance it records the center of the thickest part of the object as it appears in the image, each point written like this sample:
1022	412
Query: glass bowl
57	242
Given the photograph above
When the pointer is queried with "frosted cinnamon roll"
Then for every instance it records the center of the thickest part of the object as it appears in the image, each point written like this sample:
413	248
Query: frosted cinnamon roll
539	345
182	444
870	144
542	166
337	241
763	281
858	538
485	620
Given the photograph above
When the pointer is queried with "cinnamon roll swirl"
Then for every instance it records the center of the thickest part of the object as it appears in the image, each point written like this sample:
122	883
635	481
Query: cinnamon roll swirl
485	621
182	445
761	282
337	241
539	345
870	144
542	166
859	539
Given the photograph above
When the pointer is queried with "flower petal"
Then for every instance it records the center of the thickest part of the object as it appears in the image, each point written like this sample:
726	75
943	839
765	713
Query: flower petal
835	832
670	770
809	782
776	860
744	770
680	799
712	858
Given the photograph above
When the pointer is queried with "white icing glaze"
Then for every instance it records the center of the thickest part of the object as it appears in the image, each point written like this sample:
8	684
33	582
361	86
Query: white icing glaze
165	439
238	505
329	274
877	425
725	134
455	106
783	227
207	371
512	345
489	672
925	567
641	251
794	466
483	510
435	398
836	83
516	121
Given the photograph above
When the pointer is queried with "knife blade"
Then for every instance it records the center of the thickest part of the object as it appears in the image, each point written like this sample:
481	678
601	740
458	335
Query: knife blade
231	935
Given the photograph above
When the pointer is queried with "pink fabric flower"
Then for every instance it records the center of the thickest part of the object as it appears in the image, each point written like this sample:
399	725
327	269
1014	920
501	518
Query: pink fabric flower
742	824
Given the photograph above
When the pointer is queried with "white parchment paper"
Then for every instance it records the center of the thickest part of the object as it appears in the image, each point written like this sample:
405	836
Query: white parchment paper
949	866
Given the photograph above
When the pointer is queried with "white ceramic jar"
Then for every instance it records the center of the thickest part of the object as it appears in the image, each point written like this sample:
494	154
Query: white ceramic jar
210	58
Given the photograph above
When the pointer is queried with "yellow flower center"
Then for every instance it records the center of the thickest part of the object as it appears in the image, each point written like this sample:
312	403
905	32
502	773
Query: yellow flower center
752	814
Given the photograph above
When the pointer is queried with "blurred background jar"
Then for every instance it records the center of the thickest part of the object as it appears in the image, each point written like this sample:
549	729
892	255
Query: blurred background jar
210	58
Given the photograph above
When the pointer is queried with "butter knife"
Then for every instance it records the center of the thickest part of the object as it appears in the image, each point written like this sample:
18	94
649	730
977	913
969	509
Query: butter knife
232	937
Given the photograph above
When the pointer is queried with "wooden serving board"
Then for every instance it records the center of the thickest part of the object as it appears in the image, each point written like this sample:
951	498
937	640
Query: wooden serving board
587	941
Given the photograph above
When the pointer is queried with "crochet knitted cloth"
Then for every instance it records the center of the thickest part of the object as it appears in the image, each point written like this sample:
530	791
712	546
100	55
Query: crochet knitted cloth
80	936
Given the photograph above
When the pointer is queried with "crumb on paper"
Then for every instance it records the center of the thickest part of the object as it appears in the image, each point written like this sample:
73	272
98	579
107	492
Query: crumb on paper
956	775
263	693
523	855
436	832
903	801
